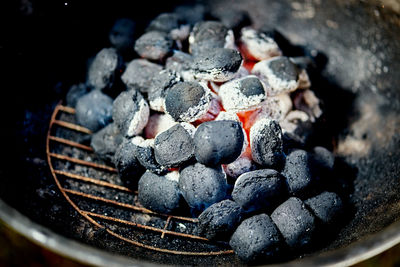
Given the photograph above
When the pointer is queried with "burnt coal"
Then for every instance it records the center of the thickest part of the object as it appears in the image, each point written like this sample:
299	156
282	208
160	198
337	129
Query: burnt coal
298	172
256	238
324	158
219	220
279	73
259	189
130	112
327	207
103	69
165	22
242	94
173	147
218	142
94	110
258	45
179	61
122	34
266	143
217	65
158	193
187	101
295	222
128	167
138	74
160	83
206	36
106	141
154	45
202	186
144	152
75	92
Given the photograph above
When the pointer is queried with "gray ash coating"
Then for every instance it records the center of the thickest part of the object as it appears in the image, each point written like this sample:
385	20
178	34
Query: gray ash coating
217	64
284	69
202	186
158	193
159	85
173	147
179	61
126	163
298	172
145	156
165	22
218	142
122	33
219	220
295	222
94	110
106	141
256	238
183	96
138	74
259	189
102	70
251	86
207	35
266	143
154	45
75	92
327	207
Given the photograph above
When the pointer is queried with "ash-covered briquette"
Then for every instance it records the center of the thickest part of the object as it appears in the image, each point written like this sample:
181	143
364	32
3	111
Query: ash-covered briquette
327	207
187	101
179	61
94	110
266	143
217	65
173	147
278	73
128	167
138	74
298	173
260	189
218	142
240	166
75	92
276	107
256	238
102	70
144	152
202	186
160	83
242	94
219	220
154	45
295	222
130	112
106	141
207	35
122	33
159	194
298	126
258	45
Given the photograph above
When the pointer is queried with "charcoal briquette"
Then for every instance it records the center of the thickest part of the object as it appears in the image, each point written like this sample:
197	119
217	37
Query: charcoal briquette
258	45
160	84
122	33
256	238
295	223
165	22
144	152
219	220
130	112
202	186
106	141
154	45
218	142
173	147
323	157
159	194
94	110
206	36
179	61
259	189
327	207
103	69
75	92
138	74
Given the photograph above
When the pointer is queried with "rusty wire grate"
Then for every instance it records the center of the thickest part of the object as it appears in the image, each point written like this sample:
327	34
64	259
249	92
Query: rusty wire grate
84	192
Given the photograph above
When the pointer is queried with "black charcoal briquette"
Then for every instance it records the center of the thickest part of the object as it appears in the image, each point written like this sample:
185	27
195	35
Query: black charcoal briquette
206	36
295	222
138	74
106	141
173	147
256	238
144	152
218	142
154	45
326	206
160	84
102	70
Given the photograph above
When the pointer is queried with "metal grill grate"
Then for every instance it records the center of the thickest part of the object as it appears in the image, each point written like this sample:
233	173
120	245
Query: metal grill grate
91	196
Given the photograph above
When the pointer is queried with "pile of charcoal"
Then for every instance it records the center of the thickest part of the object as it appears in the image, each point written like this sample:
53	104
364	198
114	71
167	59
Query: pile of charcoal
212	117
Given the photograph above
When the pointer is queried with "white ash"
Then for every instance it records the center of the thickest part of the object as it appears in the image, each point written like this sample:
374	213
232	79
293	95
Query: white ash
173	176
158	123
140	119
241	73
306	101
189	128
141	142
213	109
214	87
277	85
234	99
258	45
138	74
304	80
241	165
276	107
230	40
227	116
293	120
